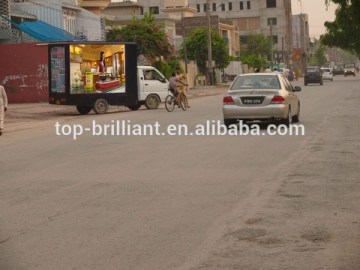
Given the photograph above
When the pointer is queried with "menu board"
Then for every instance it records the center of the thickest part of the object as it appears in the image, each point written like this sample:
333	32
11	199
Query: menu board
57	57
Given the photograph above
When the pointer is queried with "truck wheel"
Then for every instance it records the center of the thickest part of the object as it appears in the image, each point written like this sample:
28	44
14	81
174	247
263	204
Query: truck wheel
152	102
101	106
134	107
83	109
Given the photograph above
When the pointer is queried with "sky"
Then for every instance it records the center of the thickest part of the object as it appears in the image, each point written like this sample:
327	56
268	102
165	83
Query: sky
317	13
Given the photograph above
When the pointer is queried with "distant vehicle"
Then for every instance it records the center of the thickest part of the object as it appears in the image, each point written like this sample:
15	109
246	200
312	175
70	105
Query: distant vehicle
261	97
350	70
313	74
284	71
327	74
338	71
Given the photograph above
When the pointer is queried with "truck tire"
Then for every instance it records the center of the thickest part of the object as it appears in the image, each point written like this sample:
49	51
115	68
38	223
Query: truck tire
83	109
152	102
134	107
101	106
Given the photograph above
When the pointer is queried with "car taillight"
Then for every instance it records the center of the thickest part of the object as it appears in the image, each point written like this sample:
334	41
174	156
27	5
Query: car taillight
228	100
277	100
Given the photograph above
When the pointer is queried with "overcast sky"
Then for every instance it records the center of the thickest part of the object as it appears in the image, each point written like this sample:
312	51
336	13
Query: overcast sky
317	12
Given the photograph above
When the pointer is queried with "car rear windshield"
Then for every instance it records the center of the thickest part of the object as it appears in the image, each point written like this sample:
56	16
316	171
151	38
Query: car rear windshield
325	70
312	70
256	82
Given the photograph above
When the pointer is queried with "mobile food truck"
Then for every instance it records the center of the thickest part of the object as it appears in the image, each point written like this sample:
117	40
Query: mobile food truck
94	75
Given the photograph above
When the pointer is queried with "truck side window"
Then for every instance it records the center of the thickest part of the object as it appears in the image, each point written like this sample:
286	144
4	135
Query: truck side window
148	75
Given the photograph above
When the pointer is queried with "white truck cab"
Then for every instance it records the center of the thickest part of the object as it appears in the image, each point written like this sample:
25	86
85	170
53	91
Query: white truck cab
152	87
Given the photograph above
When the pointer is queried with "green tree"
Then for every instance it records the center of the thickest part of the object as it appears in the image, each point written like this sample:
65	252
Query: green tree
197	49
258	44
256	50
151	38
167	67
319	57
344	31
253	60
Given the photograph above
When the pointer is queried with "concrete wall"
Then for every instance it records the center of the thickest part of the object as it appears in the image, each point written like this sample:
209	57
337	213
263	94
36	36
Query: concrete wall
24	72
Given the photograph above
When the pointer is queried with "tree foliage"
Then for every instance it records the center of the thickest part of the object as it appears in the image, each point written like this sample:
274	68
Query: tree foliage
254	60
258	44
151	38
344	31
197	49
257	50
167	67
319	57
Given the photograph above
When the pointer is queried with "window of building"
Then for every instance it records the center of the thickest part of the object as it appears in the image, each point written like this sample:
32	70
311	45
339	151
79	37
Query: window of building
198	7
244	39
241	5
214	6
274	39
70	21
154	10
230	6
205	7
223	7
272	21
270	3
248	4
141	11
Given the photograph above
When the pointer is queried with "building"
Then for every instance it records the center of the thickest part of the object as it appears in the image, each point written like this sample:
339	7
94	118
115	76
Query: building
301	41
62	14
178	18
273	18
94	6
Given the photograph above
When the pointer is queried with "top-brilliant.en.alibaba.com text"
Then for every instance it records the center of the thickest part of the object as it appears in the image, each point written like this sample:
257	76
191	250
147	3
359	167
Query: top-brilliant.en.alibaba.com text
209	128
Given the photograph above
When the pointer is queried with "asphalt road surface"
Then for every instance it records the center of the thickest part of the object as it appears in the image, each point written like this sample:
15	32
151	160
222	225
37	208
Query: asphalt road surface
160	202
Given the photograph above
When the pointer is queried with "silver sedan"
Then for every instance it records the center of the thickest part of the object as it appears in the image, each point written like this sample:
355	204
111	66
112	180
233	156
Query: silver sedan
261	97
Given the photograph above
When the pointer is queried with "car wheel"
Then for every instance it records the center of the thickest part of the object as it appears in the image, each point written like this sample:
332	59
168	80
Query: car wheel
83	109
287	120
152	102
101	106
321	83
296	118
305	83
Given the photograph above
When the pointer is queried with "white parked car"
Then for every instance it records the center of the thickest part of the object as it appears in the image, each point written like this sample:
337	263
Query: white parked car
261	97
327	74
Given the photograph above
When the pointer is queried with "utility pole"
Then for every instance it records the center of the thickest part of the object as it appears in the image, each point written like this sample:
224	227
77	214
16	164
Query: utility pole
184	41
209	42
272	45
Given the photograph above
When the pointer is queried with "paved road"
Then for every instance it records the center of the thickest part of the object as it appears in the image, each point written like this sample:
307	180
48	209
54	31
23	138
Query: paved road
185	202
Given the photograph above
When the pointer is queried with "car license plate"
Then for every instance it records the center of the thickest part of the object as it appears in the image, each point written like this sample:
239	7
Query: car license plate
252	100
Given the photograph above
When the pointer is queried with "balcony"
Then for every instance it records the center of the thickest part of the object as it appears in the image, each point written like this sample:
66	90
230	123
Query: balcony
94	5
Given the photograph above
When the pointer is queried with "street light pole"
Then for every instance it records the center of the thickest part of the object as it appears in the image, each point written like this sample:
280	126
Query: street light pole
209	41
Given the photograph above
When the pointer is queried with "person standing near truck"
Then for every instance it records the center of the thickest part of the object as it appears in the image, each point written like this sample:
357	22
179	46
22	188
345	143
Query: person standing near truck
102	63
3	107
